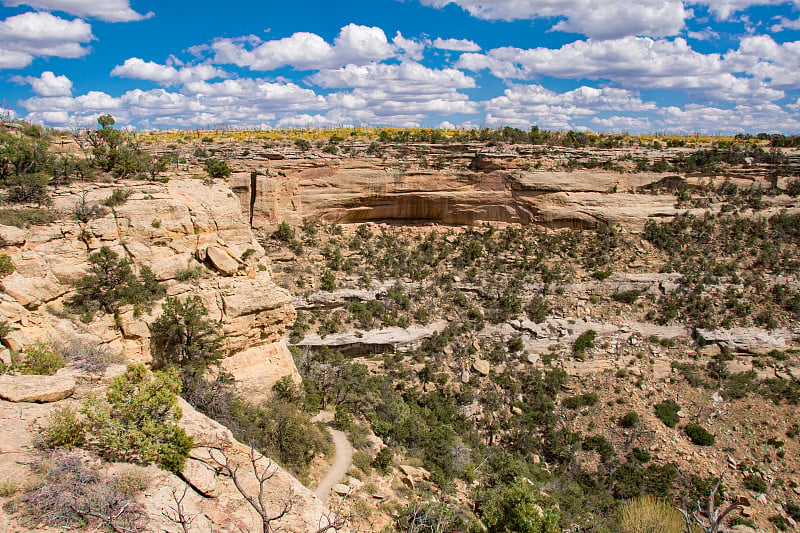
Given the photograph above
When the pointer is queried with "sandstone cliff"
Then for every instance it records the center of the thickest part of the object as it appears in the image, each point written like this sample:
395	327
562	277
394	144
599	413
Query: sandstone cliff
195	240
172	228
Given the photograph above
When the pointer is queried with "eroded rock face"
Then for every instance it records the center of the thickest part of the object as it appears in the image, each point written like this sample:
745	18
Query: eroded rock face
750	340
352	191
178	228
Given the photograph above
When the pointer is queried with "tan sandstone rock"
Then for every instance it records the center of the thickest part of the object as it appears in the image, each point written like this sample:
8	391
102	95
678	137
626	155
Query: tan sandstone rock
36	389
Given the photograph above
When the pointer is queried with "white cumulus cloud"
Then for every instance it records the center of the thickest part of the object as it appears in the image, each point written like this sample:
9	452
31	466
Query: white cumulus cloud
307	51
743	118
140	69
523	105
619	124
7	114
38	34
199	104
636	62
602	20
106	10
456	45
408	90
760	56
48	84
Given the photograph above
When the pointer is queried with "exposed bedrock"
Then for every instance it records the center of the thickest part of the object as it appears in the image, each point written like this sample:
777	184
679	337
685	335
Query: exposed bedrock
353	192
174	229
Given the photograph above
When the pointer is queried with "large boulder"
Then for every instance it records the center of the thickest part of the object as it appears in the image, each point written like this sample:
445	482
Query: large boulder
750	340
36	389
222	261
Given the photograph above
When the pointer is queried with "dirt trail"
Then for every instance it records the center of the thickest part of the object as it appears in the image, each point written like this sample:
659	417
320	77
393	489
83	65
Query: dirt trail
341	464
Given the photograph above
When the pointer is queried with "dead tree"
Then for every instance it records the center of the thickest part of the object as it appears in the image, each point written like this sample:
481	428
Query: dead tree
331	521
177	515
264	470
709	519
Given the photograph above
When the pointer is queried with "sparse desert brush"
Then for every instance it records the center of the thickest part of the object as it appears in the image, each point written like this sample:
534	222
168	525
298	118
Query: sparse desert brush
131	482
648	514
41	360
8	488
64	429
73	493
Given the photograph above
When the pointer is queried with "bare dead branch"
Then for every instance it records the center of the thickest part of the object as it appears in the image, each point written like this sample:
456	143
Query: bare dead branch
177	515
264	469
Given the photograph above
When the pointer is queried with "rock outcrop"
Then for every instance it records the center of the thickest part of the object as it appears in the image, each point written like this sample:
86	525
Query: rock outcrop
194	239
36	389
352	191
750	340
192	236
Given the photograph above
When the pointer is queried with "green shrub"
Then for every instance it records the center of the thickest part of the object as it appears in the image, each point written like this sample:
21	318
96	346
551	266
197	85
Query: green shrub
117	198
278	429
111	283
519	508
793	189
137	420
648	514
600	275
342	418
778	355
667	412
184	335
641	455
627	297
629	420
515	345
217	169
599	444
793	510
131	482
63	429
27	189
188	274
739	385
8	488
383	460
538	309
41	360
590	398
24	218
284	232
581	400
699	435
363	461
584	342
755	483
6	265
328	281
780	522
572	402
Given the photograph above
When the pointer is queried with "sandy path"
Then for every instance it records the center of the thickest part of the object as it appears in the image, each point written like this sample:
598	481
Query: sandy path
341	464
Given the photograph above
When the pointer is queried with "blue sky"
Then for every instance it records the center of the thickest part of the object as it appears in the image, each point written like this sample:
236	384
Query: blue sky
664	66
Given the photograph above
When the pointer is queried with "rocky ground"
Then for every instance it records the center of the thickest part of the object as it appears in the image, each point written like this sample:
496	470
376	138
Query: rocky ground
503	256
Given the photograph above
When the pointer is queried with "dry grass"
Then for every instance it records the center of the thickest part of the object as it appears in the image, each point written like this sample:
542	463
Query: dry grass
648	514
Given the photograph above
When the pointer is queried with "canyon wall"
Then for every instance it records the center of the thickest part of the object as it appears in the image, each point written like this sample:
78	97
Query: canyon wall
192	236
353	191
